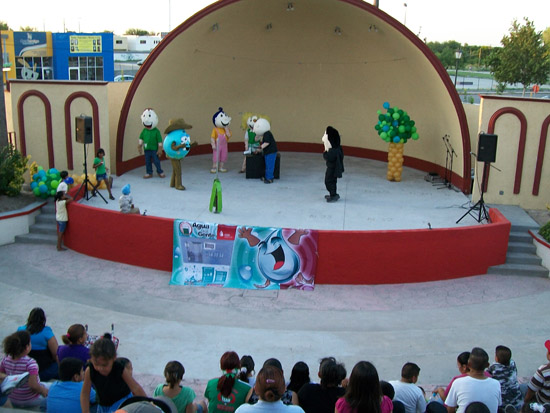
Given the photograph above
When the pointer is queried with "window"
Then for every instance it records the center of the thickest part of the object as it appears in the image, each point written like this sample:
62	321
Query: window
33	68
143	42
86	68
118	41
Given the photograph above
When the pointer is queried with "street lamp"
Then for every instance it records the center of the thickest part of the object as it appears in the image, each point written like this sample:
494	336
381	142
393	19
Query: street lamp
458	56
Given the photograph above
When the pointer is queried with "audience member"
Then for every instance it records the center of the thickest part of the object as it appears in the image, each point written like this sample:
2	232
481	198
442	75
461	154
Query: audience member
406	390
182	396
504	370
476	407
321	398
286	398
539	387
8	383
112	380
17	361
387	390
44	344
74	344
474	387
64	395
364	393
226	393
270	386
298	377
247	370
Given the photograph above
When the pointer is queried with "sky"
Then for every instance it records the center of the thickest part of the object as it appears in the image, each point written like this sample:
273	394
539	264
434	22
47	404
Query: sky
473	22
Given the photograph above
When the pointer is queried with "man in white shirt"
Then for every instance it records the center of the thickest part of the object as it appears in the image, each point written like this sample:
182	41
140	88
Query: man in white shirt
407	392
475	387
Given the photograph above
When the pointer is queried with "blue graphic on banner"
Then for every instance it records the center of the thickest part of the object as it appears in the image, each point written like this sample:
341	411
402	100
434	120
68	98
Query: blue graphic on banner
243	257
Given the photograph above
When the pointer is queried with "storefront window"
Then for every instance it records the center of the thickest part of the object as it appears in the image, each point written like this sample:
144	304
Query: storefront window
86	68
34	68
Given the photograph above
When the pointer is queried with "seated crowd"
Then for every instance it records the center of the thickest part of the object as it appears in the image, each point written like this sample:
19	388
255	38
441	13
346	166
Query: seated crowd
37	374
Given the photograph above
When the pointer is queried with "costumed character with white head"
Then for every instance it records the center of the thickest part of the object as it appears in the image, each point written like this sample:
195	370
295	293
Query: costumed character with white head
251	141
220	135
334	157
176	145
268	147
150	139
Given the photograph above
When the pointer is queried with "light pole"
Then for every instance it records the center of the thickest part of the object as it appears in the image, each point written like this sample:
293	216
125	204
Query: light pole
458	56
405	19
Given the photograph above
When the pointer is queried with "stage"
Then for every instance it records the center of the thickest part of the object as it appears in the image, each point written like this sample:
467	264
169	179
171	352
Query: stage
296	200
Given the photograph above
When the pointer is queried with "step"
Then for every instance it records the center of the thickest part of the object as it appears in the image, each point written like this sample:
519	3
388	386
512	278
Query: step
43	228
520	236
519	269
523	258
49	208
36	239
521	247
44	219
523	228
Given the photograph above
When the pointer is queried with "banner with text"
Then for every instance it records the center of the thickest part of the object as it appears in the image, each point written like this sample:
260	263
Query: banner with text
243	257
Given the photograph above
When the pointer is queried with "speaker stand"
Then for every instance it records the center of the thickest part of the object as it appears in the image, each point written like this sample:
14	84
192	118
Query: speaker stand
84	184
479	207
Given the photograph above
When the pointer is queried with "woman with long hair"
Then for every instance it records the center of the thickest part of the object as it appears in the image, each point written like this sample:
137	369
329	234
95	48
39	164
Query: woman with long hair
227	392
364	394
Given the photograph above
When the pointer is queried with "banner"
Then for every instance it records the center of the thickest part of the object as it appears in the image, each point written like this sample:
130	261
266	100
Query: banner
85	44
209	254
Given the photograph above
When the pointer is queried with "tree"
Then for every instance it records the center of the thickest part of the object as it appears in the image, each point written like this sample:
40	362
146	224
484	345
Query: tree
546	36
27	29
4	25
523	58
136	32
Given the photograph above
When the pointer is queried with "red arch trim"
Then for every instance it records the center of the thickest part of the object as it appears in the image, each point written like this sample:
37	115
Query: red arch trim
123	166
48	115
95	119
522	138
540	154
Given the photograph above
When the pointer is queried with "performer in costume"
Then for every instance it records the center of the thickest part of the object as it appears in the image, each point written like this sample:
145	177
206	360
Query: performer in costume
251	141
176	146
220	135
334	157
268	147
150	139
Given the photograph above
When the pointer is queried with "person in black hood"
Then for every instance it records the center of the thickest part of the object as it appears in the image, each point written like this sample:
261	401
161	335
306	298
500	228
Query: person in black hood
334	157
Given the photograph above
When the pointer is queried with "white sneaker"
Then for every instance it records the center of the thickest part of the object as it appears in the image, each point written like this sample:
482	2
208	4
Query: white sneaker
12	382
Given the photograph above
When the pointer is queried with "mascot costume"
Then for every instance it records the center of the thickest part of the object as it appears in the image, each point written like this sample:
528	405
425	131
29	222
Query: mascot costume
268	147
176	145
150	139
334	157
250	140
220	135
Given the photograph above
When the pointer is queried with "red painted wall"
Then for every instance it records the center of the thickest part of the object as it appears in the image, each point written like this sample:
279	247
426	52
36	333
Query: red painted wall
345	257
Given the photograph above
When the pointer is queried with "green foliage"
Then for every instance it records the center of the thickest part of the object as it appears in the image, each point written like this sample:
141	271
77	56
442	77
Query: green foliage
500	88
12	167
27	29
136	32
545	231
4	25
546	36
523	58
473	57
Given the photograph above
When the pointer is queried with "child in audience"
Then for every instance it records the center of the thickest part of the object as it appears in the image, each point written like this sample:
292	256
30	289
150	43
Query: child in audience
64	395
406	390
17	361
112	380
126	201
298	377
74	344
181	396
226	393
504	370
247	370
321	398
538	387
364	393
462	364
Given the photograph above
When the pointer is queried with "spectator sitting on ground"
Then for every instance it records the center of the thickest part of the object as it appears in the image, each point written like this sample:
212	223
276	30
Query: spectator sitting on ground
298	377
475	387
504	370
64	395
74	344
476	407
247	370
270	386
126	201
286	397
406	390
539	387
462	364
387	390
321	398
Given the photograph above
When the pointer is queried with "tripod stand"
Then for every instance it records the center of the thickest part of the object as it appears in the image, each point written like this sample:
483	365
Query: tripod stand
482	213
447	180
84	184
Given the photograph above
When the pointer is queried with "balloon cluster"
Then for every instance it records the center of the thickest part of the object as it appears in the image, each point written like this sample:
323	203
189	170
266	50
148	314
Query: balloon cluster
395	125
44	183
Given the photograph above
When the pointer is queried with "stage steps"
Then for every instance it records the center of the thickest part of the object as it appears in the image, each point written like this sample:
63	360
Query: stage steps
44	229
521	257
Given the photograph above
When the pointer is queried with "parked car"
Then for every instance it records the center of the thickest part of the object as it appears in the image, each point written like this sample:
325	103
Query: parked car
123	78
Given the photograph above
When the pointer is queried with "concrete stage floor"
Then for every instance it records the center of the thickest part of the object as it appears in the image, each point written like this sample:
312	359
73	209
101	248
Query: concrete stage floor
368	201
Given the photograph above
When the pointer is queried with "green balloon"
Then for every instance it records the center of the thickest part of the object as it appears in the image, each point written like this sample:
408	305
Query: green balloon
36	191
401	129
415	136
413	129
384	135
396	116
381	117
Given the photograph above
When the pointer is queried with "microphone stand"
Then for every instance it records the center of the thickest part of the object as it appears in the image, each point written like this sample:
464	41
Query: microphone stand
445	141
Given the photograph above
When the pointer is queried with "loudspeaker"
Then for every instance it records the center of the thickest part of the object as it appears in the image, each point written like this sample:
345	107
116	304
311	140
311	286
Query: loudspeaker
487	147
83	129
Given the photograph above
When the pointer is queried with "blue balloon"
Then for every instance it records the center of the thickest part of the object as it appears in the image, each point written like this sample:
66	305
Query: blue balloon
386	105
36	177
53	171
43	189
395	123
396	139
42	173
385	128
34	184
178	137
69	180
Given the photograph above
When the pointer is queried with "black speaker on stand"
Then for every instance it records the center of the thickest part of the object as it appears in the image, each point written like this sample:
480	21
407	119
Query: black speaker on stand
83	134
486	153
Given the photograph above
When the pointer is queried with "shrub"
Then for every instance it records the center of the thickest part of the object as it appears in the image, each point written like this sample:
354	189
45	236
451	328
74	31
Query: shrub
12	167
545	231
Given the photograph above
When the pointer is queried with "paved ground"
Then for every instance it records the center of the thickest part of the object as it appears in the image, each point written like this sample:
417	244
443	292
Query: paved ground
428	323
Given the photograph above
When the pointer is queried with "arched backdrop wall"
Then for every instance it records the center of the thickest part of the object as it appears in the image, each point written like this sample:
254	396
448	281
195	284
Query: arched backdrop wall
254	55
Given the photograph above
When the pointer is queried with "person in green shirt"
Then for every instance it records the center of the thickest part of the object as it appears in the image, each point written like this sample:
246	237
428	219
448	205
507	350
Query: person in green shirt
101	172
150	140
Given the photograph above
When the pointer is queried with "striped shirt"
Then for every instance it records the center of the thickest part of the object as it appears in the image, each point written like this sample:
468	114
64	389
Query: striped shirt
18	366
540	383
